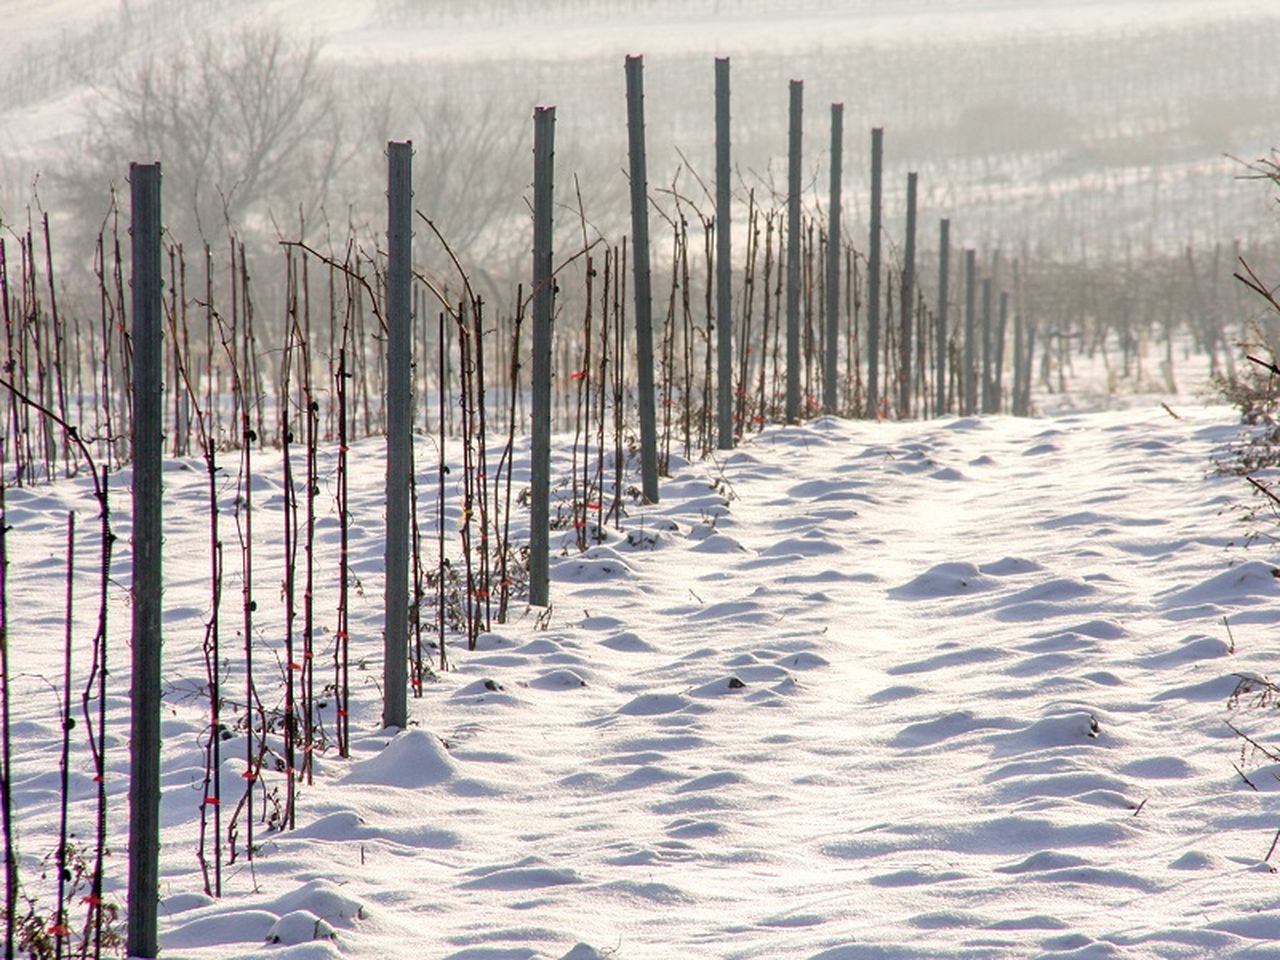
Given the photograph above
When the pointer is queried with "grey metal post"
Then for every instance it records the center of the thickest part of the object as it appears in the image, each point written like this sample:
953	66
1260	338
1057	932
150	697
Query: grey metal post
988	346
830	398
544	132
793	250
640	269
944	279
147	441
724	263
908	304
1018	365
1028	361
873	277
1002	328
399	304
970	401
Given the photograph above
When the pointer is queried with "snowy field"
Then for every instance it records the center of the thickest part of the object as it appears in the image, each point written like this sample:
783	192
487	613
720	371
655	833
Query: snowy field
947	689
943	689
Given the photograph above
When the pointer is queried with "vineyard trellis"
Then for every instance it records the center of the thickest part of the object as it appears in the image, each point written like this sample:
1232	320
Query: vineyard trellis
359	354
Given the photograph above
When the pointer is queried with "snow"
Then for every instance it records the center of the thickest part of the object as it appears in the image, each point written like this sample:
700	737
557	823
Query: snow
853	690
860	690
674	31
357	31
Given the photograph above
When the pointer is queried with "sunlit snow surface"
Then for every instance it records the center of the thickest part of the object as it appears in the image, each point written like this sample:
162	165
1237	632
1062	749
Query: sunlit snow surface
947	689
859	690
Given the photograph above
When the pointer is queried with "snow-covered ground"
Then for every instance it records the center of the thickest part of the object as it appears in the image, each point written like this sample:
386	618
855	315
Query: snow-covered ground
941	689
854	690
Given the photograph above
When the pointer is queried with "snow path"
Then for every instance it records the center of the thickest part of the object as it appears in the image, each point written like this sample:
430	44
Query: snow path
947	640
935	625
949	689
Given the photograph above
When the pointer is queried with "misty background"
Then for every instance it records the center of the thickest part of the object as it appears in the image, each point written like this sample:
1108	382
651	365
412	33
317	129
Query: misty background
1070	132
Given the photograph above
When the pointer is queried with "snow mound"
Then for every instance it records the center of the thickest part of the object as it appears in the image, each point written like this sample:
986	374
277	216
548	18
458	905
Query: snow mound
227	927
558	680
339	825
597	565
950	579
323	899
1190	650
727	686
582	951
654	704
1056	590
930	733
1074	728
413	759
1248	582
718	543
628	642
1009	567
1197	860
528	874
300	926
810	545
182	902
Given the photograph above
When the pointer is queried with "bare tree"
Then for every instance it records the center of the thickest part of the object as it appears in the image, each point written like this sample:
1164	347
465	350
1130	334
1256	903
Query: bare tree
244	125
470	168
